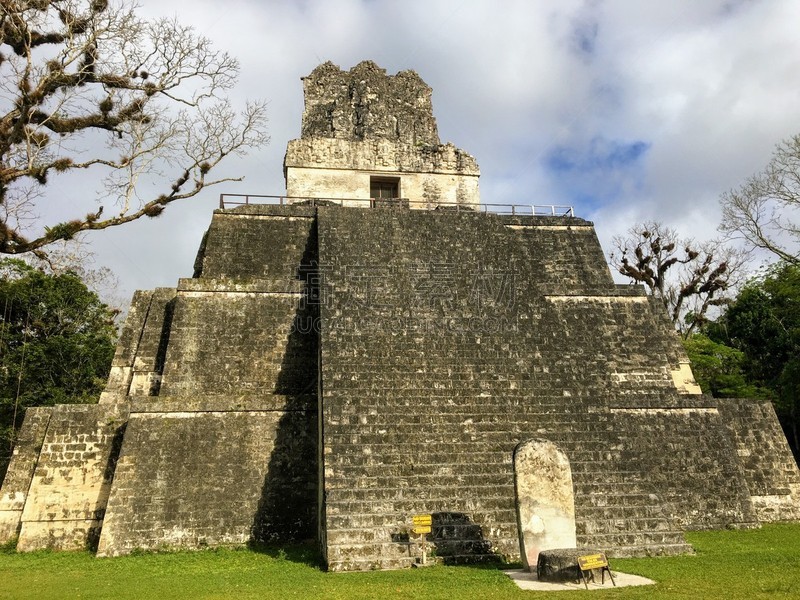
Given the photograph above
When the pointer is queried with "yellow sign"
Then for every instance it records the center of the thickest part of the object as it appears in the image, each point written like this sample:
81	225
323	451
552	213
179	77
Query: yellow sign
592	561
422	520
420	529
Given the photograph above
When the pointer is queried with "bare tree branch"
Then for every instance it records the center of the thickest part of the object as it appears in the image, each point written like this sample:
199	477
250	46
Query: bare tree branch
88	85
689	278
765	210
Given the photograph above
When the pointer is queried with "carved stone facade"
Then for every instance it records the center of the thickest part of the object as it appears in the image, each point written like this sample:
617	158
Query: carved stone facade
364	126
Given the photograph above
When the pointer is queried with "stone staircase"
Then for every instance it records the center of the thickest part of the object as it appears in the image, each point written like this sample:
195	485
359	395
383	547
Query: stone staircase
622	513
424	420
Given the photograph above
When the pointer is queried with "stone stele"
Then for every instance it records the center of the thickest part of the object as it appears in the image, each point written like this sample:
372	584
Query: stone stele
545	503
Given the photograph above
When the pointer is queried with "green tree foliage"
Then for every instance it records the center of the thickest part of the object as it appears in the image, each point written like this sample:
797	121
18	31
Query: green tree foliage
56	344
764	323
719	369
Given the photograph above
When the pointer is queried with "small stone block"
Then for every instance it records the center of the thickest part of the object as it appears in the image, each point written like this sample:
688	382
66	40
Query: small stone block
561	564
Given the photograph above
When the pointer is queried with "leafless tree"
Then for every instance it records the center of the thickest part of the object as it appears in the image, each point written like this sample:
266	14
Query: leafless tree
691	279
89	86
765	210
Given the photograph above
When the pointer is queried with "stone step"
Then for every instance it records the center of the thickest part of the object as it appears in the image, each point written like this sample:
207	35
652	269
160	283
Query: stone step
585	473
631	538
620	500
623	525
467	559
613	489
406	400
350	520
493	504
408	434
376	472
638	551
428	486
652	511
350	559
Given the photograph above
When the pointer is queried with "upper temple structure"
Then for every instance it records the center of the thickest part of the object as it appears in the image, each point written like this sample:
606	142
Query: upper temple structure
340	363
369	135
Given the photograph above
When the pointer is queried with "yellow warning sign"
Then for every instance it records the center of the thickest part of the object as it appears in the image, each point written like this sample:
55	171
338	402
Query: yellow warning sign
420	529
592	561
422	520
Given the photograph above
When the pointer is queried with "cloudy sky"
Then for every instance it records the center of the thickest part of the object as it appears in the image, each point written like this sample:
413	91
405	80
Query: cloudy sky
626	109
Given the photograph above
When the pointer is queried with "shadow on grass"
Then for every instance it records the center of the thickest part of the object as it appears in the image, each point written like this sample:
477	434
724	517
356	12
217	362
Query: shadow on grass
10	547
305	554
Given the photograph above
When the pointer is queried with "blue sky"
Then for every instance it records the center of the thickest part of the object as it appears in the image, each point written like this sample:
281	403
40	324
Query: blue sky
597	172
631	110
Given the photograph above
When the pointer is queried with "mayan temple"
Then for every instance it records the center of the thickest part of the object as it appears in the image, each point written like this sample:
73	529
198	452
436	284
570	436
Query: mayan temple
375	345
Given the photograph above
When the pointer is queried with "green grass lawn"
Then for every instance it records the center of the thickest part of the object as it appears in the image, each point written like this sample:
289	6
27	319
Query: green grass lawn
729	565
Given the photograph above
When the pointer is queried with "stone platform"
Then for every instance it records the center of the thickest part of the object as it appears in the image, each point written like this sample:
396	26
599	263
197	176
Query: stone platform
529	581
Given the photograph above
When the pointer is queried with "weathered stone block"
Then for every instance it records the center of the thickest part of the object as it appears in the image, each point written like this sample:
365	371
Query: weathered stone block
259	345
365	103
773	480
188	478
72	479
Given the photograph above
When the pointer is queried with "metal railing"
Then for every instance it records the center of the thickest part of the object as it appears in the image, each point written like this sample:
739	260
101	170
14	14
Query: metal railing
540	210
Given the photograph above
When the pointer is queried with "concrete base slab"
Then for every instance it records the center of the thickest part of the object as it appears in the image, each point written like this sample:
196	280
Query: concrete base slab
528	581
